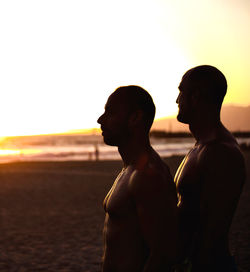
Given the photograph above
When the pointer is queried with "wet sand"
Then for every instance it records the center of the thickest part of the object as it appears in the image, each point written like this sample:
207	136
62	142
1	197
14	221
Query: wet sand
51	215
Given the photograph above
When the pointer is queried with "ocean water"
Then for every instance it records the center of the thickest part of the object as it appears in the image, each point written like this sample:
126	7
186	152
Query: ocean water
80	147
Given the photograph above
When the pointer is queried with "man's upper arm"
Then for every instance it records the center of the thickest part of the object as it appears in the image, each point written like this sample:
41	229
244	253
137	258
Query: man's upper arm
155	200
222	178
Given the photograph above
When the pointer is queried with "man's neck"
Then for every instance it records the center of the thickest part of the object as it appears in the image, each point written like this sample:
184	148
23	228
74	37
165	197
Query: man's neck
132	150
205	130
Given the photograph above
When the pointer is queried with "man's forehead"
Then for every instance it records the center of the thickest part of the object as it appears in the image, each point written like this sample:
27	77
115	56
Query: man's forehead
182	84
116	100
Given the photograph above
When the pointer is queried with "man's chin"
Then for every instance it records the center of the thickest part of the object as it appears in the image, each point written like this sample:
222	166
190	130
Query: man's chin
109	141
182	119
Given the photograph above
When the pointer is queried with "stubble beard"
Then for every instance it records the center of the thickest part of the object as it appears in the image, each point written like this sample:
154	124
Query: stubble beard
181	118
115	140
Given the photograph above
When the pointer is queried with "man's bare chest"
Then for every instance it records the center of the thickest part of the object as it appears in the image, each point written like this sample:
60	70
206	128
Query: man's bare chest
118	201
188	178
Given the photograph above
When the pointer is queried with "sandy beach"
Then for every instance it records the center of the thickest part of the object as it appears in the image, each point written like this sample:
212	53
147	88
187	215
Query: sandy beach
51	215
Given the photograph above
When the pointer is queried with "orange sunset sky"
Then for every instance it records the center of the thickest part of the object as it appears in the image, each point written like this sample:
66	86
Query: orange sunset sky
60	60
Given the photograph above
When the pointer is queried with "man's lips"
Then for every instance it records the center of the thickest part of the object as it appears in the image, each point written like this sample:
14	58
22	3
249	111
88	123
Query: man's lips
103	130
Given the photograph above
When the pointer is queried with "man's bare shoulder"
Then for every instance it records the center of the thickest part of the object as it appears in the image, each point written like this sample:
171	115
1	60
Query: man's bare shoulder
222	158
152	177
217	150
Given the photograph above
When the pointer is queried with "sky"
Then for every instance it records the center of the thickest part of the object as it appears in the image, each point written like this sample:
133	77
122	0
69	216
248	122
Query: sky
60	60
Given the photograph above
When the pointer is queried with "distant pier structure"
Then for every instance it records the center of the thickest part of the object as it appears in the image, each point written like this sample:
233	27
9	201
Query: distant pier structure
169	126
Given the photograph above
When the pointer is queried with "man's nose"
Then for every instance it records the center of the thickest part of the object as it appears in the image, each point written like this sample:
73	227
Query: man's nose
177	99
99	120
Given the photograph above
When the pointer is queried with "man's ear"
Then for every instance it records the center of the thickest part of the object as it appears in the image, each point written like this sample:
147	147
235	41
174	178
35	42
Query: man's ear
135	118
195	97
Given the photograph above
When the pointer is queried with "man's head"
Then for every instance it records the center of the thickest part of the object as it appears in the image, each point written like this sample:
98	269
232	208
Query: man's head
128	109
202	88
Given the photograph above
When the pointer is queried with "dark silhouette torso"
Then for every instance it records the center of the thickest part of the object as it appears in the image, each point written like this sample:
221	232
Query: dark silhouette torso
193	201
121	229
125	246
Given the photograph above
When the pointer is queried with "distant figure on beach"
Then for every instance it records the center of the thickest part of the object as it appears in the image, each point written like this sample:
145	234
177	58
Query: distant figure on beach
140	229
96	152
210	178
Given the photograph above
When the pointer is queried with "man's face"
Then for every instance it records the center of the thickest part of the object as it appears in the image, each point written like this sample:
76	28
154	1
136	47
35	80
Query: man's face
184	101
114	121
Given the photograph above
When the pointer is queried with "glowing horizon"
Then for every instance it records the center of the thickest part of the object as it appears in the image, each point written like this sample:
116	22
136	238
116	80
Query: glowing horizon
60	60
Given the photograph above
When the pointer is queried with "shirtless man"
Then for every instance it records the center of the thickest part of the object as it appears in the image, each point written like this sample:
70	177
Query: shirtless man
140	229
209	180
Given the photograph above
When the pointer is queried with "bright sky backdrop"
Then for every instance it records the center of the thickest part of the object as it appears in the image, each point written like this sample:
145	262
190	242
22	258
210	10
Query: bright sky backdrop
60	59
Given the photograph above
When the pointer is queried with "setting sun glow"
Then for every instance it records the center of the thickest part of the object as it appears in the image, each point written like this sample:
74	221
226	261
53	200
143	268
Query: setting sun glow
14	152
60	60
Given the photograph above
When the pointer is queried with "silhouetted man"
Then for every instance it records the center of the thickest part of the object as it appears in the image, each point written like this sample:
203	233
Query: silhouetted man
209	180
140	229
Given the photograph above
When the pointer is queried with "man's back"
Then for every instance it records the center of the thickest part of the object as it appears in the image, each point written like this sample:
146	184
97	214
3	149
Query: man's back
209	183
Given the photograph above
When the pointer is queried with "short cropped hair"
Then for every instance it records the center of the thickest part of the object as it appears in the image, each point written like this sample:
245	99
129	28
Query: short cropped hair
209	81
138	99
